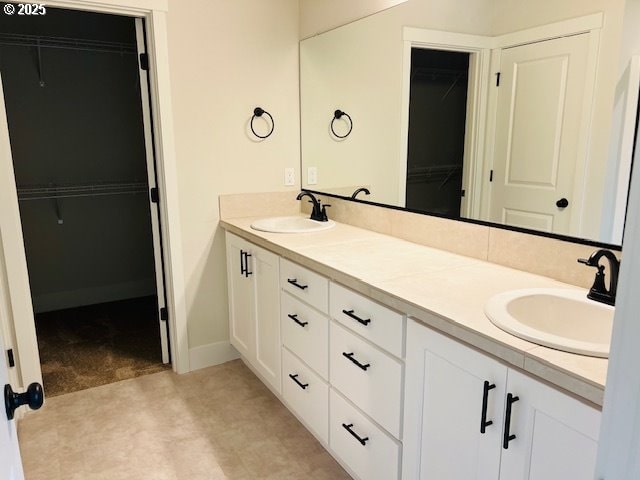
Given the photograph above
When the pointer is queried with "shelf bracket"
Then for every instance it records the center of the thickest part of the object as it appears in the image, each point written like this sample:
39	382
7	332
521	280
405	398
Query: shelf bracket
40	76
56	206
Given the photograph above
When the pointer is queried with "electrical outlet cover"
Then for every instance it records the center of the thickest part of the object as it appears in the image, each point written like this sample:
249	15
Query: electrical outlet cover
312	176
289	176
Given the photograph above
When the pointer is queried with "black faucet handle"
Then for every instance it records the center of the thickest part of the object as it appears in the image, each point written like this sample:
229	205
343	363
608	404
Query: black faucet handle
323	213
586	261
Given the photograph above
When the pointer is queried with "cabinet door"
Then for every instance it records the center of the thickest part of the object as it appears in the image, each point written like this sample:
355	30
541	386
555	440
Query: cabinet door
444	407
241	330
266	313
556	436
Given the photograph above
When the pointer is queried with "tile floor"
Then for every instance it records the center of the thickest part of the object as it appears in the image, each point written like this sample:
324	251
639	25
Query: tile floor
212	424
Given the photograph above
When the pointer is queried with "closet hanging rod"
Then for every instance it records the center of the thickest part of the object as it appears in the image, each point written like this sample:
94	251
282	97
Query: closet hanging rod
435	168
45	192
12	39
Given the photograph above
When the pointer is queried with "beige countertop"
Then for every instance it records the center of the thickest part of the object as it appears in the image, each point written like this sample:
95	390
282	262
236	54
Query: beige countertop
441	289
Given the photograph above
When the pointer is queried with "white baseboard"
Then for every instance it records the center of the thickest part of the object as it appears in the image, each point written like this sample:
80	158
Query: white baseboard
211	354
46	302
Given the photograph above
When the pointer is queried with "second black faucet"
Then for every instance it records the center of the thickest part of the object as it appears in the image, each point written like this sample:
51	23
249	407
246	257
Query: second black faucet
599	292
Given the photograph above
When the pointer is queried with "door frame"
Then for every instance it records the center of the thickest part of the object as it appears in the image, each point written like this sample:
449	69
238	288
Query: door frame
479	47
588	24
154	12
620	428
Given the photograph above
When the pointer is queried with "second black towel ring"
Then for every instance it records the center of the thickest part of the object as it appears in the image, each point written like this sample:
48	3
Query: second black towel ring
258	112
337	115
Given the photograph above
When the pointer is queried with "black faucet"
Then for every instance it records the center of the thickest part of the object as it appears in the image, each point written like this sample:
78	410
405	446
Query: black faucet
599	291
355	194
319	211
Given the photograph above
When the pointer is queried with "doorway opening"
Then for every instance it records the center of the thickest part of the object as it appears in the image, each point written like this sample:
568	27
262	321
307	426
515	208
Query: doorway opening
79	121
436	136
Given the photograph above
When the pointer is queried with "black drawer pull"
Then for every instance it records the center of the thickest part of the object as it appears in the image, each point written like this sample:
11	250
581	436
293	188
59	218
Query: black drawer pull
294	282
363	441
295	379
242	267
295	319
507	421
356	362
484	423
246	264
349	313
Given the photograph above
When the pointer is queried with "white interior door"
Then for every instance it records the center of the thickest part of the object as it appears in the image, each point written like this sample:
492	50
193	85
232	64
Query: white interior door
18	309
10	462
539	118
151	174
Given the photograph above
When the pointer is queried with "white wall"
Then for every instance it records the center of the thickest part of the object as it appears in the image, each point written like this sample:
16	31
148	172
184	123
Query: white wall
619	441
227	57
318	16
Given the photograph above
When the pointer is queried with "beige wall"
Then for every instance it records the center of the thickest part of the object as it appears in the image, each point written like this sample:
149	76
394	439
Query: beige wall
227	57
318	16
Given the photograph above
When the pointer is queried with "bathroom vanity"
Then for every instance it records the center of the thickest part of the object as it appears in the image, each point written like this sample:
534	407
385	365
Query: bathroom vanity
381	348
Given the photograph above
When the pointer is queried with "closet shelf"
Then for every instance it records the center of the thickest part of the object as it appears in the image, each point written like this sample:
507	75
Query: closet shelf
39	41
44	192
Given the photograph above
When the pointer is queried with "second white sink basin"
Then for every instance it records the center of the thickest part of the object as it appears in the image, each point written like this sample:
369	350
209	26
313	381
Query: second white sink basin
559	318
291	225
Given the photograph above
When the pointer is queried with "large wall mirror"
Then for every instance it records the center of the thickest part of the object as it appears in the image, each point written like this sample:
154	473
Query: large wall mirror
511	112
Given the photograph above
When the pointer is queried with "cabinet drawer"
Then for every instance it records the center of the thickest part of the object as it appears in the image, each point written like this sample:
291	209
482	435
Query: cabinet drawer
305	284
367	376
306	334
378	458
377	323
310	403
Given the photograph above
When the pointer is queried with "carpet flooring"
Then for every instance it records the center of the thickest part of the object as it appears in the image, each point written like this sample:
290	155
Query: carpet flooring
95	345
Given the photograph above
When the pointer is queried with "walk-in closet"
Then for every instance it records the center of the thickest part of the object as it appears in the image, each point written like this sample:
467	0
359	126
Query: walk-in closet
81	141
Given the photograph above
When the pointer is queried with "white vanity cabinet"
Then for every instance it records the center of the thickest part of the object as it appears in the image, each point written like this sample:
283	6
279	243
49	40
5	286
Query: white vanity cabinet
304	299
391	398
339	376
469	416
366	343
254	306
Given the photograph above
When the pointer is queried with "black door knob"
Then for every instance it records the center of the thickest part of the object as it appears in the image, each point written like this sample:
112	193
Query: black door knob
562	203
32	397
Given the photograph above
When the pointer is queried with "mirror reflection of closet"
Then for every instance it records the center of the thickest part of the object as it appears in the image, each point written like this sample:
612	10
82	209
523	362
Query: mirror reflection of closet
437	116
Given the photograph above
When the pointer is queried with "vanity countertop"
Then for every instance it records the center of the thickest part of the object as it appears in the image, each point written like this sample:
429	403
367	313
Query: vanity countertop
441	289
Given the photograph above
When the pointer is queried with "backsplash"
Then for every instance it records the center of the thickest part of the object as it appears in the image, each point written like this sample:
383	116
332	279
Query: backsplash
545	256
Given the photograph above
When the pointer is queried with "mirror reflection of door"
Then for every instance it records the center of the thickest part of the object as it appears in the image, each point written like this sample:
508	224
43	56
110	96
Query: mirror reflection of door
437	117
541	98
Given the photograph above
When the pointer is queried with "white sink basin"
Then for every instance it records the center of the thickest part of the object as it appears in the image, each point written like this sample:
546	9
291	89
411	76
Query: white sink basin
558	318
291	225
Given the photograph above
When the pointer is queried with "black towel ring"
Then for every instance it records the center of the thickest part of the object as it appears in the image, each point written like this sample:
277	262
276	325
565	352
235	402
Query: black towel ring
258	112
337	115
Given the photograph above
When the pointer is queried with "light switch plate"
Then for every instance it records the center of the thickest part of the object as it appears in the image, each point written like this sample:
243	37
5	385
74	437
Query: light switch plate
289	176
312	176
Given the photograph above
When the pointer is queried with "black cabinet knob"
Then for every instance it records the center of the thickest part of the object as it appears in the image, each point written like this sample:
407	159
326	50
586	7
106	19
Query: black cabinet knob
33	397
562	203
